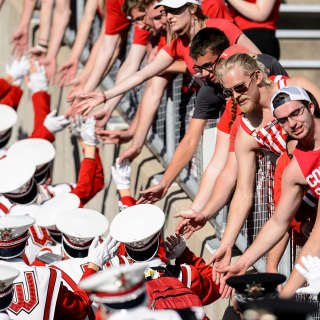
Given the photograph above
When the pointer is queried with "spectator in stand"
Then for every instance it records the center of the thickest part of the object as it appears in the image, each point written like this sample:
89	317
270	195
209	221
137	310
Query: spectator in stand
258	20
304	219
208	45
293	109
184	20
250	138
155	87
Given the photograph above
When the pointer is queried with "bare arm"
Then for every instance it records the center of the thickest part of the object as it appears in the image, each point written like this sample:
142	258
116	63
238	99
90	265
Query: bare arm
84	29
110	44
275	228
306	84
242	200
311	248
21	36
183	154
243	40
275	254
159	64
223	188
150	103
258	11
210	177
60	21
45	21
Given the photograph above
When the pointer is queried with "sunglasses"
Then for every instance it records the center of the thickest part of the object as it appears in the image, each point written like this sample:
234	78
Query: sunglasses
294	115
240	88
159	16
209	66
174	11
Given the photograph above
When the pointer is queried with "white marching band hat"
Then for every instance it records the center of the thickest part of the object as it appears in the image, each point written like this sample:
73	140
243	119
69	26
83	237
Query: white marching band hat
7	276
14	235
17	179
8	118
48	212
41	151
79	227
118	288
139	227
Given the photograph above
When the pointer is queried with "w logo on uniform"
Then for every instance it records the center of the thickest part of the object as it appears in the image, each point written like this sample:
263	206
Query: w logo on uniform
26	295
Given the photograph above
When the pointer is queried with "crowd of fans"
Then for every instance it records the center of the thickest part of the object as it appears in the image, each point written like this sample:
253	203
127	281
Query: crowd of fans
61	260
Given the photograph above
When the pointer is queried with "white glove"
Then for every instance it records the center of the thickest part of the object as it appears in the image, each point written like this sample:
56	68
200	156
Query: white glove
174	245
76	125
18	69
38	80
121	174
311	272
88	132
99	254
55	123
122	206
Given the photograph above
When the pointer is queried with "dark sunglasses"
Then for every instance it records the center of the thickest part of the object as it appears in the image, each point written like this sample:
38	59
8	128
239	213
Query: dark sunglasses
240	88
209	66
174	11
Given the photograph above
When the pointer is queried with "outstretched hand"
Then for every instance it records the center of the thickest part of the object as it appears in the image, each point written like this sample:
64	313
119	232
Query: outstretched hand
220	259
153	194
229	271
191	222
114	136
89	101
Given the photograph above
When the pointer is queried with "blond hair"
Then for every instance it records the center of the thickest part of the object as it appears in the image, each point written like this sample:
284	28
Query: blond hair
249	64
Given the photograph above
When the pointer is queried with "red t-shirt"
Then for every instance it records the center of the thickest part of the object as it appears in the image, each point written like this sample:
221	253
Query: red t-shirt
179	48
245	23
140	36
116	21
216	9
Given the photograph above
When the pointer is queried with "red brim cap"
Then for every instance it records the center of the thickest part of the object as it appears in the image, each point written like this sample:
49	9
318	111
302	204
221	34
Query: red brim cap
234	49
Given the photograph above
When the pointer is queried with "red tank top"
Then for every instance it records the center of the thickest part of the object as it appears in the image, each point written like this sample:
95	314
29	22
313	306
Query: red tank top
271	137
309	162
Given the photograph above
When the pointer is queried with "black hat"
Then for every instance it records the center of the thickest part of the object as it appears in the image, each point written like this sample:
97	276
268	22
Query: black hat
283	309
256	284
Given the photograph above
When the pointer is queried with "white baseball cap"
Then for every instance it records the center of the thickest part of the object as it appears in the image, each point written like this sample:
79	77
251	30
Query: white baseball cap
79	227
289	93
176	3
138	227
